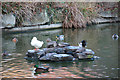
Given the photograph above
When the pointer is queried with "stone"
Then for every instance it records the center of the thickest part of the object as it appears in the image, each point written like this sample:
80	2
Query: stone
60	50
61	57
8	20
31	51
31	55
41	53
69	52
63	44
88	52
47	56
72	48
49	50
80	50
51	44
39	18
35	53
85	55
81	55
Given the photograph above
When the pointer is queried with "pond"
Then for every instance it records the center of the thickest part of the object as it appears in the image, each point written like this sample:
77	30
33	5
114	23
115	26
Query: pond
99	39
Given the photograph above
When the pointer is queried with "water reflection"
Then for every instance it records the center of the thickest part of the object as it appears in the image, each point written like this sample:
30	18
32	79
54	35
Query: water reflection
99	39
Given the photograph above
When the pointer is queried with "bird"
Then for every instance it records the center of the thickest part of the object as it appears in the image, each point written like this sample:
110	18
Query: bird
48	40
15	40
5	53
83	44
40	69
115	36
60	37
36	43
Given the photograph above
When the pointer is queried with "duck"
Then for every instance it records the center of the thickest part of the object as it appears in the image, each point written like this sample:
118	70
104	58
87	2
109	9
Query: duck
83	44
15	40
48	40
5	53
60	37
36	43
115	36
41	69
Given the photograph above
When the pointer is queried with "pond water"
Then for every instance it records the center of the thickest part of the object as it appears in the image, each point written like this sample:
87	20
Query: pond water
99	39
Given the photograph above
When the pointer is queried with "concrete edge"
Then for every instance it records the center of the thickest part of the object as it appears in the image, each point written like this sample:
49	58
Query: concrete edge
41	27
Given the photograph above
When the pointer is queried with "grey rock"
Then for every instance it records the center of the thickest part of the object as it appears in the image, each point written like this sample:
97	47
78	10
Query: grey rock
80	50
51	44
31	51
61	57
63	44
31	55
72	48
39	18
47	56
8	20
69	52
60	50
49	50
41	53
81	55
88	52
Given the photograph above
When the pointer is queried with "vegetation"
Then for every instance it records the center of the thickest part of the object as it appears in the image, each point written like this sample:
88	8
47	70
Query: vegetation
72	14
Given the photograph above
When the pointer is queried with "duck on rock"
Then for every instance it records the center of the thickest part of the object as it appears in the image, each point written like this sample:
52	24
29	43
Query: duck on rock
36	43
83	44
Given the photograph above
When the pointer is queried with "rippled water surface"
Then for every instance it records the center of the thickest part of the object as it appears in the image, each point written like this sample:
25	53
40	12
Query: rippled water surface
99	38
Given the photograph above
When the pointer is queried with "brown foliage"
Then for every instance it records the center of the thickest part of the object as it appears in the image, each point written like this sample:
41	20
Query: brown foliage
73	17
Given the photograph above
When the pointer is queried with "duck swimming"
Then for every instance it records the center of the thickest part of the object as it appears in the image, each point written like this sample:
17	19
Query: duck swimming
115	36
83	43
36	43
39	69
5	53
15	40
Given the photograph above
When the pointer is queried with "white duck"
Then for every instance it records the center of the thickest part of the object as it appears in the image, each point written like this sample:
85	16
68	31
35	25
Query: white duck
36	43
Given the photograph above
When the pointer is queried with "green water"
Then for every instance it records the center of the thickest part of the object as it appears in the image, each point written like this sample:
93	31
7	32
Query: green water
99	39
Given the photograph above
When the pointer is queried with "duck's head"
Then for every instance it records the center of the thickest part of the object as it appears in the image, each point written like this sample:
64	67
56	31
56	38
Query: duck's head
57	36
83	41
36	66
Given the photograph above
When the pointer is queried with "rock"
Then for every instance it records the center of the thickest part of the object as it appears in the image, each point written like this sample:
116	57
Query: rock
80	50
49	50
81	56
63	44
31	55
69	52
31	51
47	56
39	18
60	50
41	53
61	57
85	55
35	53
8	20
51	44
88	52
72	48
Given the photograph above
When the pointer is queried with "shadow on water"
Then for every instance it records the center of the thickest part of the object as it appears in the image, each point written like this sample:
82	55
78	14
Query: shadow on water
99	39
